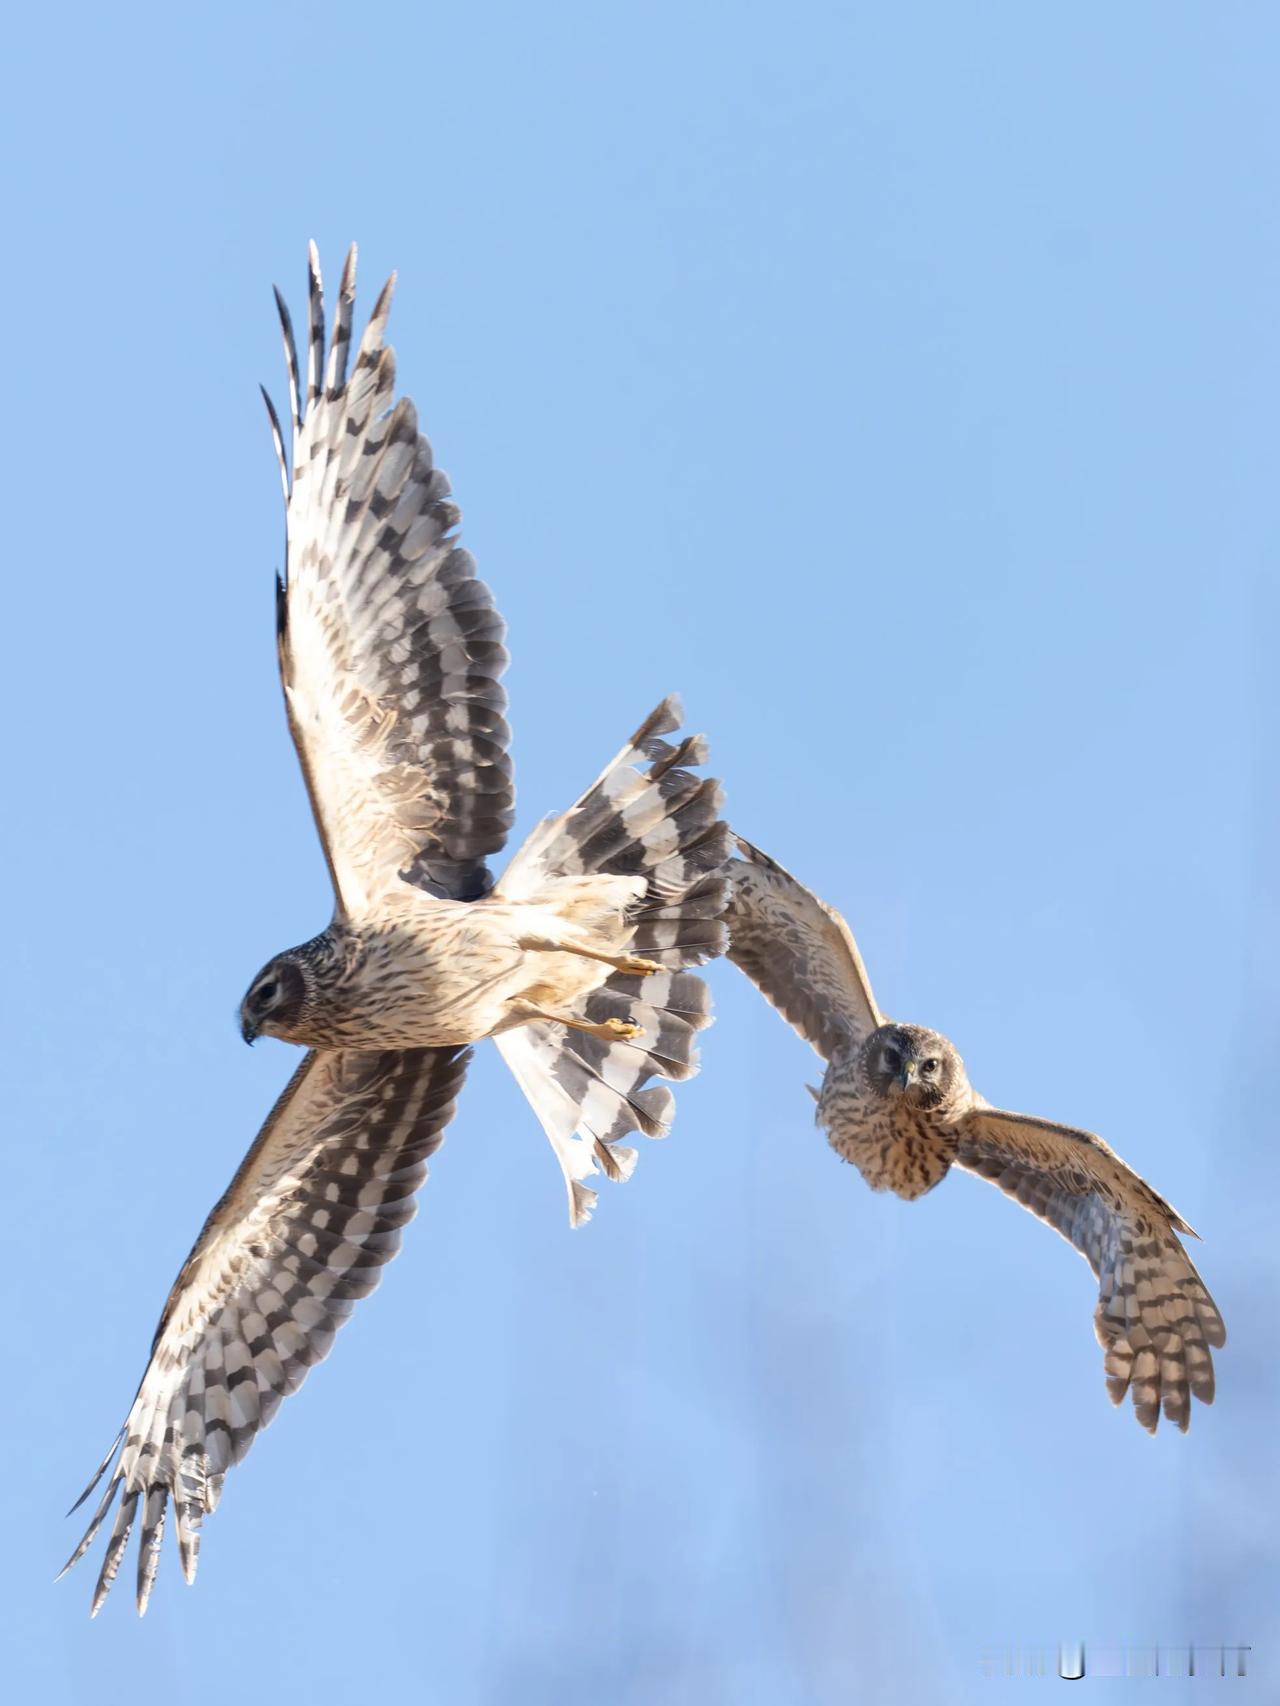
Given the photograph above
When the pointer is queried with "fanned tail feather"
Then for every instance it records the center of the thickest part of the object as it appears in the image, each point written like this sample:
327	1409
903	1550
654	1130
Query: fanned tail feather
662	824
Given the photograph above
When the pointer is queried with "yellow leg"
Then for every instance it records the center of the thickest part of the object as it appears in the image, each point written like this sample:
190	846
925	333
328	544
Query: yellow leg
608	1030
633	964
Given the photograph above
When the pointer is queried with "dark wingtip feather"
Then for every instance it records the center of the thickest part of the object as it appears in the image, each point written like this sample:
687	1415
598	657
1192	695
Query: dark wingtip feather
290	356
116	1547
99	1472
277	438
315	323
340	343
152	1538
382	307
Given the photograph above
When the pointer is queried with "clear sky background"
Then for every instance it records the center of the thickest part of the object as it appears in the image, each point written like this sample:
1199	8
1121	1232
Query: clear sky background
903	385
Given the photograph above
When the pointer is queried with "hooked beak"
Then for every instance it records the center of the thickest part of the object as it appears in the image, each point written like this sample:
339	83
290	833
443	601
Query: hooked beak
907	1077
249	1031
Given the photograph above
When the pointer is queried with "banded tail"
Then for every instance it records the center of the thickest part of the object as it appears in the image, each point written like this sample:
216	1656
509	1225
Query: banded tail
661	823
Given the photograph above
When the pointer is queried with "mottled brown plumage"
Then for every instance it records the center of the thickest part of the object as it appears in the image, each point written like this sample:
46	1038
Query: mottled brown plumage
896	1101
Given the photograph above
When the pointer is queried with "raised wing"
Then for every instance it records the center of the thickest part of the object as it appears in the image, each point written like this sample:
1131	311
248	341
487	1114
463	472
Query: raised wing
314	1211
1154	1320
799	953
391	650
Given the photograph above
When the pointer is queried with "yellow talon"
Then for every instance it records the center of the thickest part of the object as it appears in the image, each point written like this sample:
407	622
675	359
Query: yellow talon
639	967
622	1030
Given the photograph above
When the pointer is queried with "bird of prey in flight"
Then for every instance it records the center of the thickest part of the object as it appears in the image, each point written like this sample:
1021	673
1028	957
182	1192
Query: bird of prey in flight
574	962
897	1102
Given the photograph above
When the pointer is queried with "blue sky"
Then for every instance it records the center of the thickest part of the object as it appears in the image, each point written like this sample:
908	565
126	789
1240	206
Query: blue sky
901	385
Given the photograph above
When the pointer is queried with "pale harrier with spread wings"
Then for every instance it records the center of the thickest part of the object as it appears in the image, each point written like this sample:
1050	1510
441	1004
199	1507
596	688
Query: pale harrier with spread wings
897	1102
391	658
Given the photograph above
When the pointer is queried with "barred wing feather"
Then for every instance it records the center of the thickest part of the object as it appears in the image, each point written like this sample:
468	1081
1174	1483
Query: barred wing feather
391	651
311	1216
1155	1320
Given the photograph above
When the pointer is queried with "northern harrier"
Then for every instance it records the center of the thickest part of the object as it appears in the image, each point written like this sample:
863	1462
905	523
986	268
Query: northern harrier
391	656
897	1102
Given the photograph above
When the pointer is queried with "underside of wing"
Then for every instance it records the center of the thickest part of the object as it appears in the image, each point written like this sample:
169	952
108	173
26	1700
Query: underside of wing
1155	1320
799	952
302	1232
391	651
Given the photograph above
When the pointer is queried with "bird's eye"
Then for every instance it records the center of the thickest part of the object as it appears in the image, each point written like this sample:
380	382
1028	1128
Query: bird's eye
267	991
930	1066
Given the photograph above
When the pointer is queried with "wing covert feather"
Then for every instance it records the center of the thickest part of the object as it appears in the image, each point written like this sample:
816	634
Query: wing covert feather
799	952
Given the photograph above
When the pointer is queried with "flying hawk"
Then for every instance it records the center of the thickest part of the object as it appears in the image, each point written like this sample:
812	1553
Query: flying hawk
897	1102
391	658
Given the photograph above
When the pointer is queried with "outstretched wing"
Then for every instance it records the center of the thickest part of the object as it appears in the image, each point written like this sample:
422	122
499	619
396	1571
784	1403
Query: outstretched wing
1154	1320
314	1211
391	650
799	953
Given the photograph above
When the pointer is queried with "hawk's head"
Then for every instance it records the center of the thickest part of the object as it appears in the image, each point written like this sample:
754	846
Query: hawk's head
909	1061
276	1000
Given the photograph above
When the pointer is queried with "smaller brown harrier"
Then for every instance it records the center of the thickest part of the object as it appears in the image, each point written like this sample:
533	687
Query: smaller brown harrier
897	1102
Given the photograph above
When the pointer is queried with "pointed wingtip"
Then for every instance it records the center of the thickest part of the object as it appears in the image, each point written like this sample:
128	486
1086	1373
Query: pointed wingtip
382	307
277	440
272	416
290	358
98	1474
